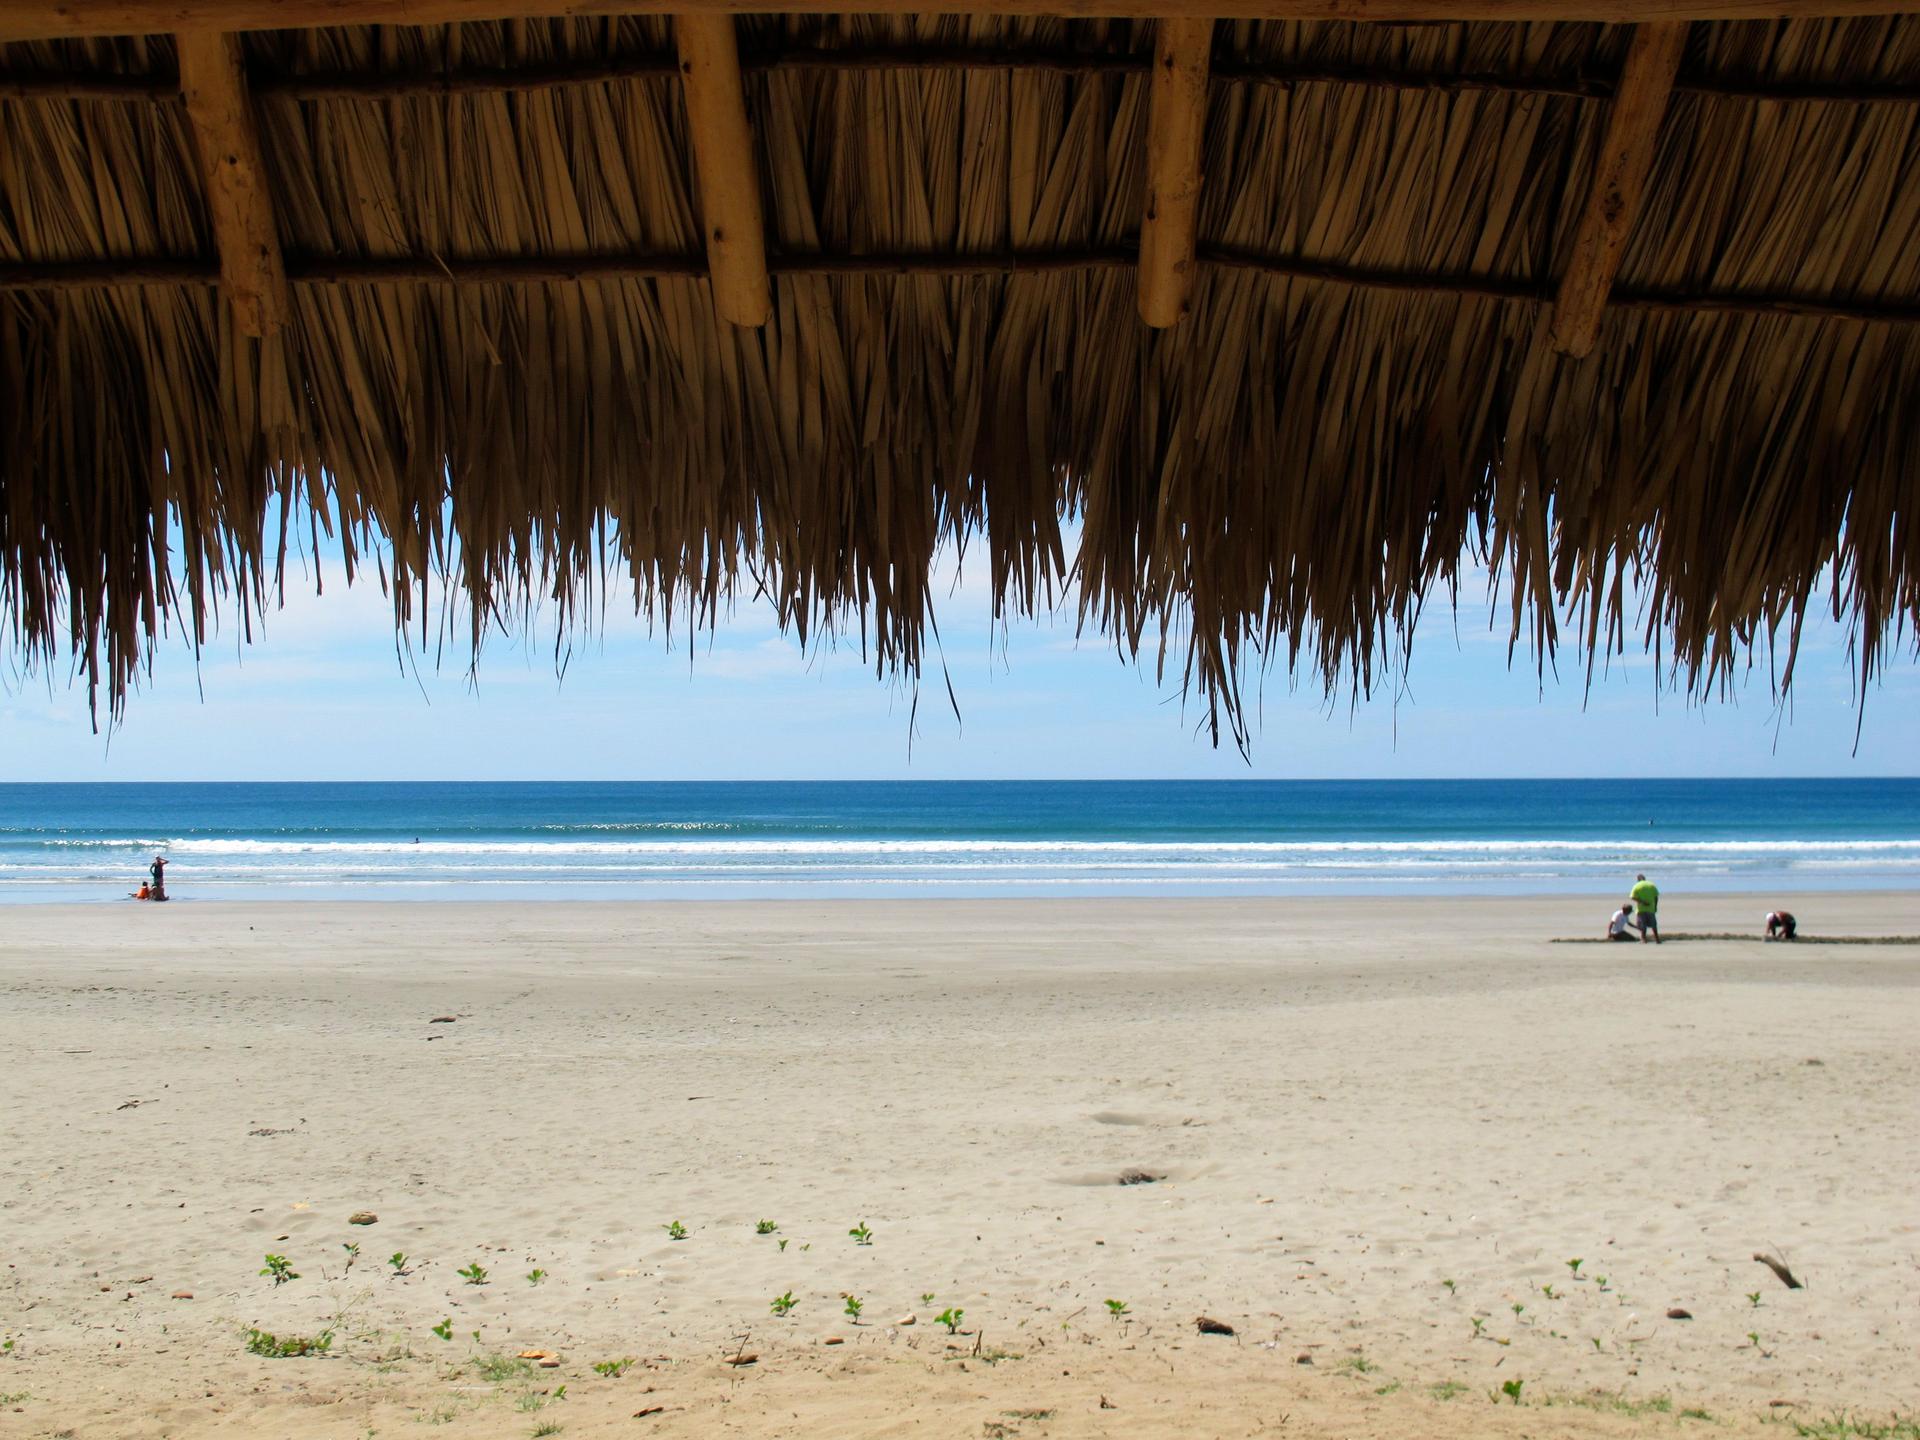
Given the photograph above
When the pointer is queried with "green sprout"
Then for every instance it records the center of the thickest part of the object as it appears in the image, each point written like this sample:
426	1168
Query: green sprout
1574	1266
854	1307
783	1245
282	1347
474	1274
861	1234
444	1329
279	1269
675	1231
765	1227
950	1317
399	1263
1117	1308
536	1275
784	1303
1753	1299
1452	1287
1511	1389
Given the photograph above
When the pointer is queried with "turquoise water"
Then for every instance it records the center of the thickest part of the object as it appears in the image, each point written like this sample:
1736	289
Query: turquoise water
697	840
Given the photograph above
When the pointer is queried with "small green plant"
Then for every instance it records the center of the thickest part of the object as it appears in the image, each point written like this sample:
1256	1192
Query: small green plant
1601	1281
474	1274
675	1231
444	1329
927	1298
765	1227
1452	1287
547	1427
783	1245
1574	1267
399	1263
14	1397
279	1269
1117	1308
613	1369
861	1234
1447	1390
854	1307
283	1347
950	1317
783	1304
1511	1389
353	1253
1753	1299
1547	1290
1479	1326
1518	1308
1596	1342
536	1275
498	1369
1360	1365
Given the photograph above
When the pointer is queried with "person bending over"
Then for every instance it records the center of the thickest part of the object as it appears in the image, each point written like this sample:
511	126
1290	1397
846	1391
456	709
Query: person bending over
1621	926
1781	925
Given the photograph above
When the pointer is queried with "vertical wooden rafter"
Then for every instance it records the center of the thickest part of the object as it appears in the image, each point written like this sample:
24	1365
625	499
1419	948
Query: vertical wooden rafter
1176	125
729	177
220	111
1619	184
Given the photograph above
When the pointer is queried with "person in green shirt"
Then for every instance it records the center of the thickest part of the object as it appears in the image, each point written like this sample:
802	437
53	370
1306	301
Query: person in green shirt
1646	904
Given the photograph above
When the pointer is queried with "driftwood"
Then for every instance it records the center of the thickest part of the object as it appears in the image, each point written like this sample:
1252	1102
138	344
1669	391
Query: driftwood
1779	1268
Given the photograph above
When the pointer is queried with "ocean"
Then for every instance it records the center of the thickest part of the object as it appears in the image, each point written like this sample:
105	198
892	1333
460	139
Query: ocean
566	841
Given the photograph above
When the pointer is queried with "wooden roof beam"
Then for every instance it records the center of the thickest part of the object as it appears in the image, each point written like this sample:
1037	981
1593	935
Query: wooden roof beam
1176	126
734	230
67	19
253	273
1619	184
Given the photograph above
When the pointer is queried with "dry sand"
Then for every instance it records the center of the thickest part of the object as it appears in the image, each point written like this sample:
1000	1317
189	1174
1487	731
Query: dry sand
1349	1103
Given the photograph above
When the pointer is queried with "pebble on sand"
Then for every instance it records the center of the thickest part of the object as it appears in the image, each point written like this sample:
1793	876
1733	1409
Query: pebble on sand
905	1320
363	1217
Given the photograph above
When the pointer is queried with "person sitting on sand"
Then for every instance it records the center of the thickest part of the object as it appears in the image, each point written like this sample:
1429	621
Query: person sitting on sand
159	890
1621	926
1646	901
1781	925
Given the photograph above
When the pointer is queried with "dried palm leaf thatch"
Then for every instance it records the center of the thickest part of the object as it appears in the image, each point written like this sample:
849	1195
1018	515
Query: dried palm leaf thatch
1362	393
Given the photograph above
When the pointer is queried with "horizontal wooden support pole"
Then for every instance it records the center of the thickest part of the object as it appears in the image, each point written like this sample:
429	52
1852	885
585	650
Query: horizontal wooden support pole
376	85
70	19
305	270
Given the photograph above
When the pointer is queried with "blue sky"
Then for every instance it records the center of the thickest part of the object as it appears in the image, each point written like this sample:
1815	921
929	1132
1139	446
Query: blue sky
322	694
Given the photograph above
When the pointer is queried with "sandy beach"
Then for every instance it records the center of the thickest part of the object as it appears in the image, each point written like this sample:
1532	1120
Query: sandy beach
1377	1136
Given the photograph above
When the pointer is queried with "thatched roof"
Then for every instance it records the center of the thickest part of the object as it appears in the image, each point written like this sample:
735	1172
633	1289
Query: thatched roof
500	352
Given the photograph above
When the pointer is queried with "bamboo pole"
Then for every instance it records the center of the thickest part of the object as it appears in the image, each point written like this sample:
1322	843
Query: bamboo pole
1226	70
729	174
136	272
1176	126
70	19
220	113
1619	184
